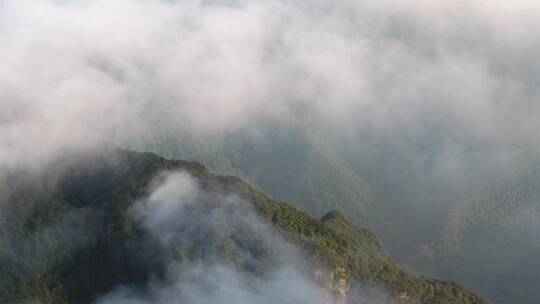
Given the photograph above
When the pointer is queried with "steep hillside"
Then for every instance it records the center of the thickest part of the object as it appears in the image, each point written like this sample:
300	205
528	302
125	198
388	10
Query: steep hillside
69	234
290	164
492	236
465	229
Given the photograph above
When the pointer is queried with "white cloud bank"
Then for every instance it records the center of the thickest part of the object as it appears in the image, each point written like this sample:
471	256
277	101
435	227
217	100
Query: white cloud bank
76	73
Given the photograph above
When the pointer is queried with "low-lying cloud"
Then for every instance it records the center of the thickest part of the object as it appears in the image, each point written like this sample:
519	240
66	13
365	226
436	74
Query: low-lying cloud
216	250
222	284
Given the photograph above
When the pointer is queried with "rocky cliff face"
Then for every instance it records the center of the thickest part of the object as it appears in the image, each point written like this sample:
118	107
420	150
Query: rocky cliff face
335	284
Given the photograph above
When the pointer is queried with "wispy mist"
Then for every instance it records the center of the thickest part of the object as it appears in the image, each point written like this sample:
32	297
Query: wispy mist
228	254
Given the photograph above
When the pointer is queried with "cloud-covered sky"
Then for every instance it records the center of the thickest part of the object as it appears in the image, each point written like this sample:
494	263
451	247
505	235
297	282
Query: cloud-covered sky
75	73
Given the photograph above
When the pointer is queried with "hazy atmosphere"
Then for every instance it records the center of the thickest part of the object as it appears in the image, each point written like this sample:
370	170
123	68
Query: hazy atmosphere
460	74
417	119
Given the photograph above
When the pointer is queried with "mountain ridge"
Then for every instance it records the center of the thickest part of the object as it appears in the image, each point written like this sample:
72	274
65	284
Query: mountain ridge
103	256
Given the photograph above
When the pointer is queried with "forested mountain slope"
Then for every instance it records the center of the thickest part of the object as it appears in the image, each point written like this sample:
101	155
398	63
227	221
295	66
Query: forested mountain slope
74	232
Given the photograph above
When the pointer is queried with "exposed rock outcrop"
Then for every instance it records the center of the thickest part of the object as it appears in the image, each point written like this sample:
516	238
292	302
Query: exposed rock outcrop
335	284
